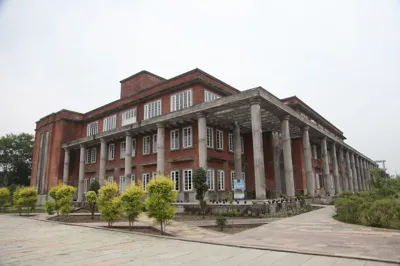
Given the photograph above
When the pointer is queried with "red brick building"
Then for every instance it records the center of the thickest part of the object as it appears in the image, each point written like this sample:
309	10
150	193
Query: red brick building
173	126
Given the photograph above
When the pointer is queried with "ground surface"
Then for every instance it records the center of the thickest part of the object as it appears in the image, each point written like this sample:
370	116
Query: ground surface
26	241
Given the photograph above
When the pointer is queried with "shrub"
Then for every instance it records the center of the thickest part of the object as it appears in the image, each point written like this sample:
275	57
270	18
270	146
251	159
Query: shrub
160	200
4	197
346	194
132	203
228	196
349	209
91	199
110	205
201	187
221	222
16	197
49	206
63	196
95	186
25	197
381	212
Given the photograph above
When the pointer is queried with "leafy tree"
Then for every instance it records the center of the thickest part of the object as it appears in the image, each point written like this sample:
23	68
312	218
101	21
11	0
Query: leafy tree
25	197
4	197
16	159
132	203
91	199
62	195
110	205
160	199
95	186
201	187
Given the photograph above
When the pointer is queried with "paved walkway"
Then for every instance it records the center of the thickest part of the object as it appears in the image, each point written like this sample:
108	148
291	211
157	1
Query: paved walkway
31	242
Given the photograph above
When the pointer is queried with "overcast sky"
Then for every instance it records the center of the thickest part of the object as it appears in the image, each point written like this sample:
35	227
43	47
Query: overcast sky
340	57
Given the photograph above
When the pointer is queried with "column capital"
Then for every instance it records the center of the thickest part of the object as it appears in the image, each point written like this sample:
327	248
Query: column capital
67	149
103	140
82	145
160	125
305	128
255	101
201	115
284	117
128	133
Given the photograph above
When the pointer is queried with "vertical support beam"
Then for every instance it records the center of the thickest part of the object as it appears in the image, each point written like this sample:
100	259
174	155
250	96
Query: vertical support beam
202	130
359	174
287	156
258	153
81	172
338	188
325	163
128	158
103	156
353	167
363	163
66	166
308	163
238	151
160	148
345	178
277	149
368	174
349	172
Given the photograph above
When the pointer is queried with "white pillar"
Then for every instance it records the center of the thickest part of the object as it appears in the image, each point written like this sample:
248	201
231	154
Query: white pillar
128	159
308	162
237	151
353	166
103	157
345	178
81	173
160	148
338	188
325	162
359	174
258	152
349	172
66	166
287	156
368	174
277	149
202	130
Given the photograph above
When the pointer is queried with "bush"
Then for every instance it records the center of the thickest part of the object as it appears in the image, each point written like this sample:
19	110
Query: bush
160	200
95	186
4	197
221	222
132	203
25	197
91	199
381	212
63	196
349	209
49	206
228	196
110	205
201	187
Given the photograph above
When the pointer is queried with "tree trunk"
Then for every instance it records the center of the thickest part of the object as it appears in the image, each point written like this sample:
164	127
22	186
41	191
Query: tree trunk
92	209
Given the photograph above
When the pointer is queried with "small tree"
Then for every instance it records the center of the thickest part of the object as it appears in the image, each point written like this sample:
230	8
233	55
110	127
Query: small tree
201	187
160	200
26	197
95	186
91	199
132	203
221	222
4	197
16	201
110	205
62	196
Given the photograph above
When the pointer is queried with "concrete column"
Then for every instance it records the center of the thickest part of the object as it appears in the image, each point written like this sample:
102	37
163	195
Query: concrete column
363	163
103	158
128	159
368	174
277	150
325	163
349	172
81	173
287	156
160	148
353	167
345	181
359	174
202	130
66	166
308	162
258	153
314	147
238	151
338	188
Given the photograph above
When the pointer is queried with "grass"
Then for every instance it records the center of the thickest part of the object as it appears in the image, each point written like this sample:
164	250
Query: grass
8	211
393	224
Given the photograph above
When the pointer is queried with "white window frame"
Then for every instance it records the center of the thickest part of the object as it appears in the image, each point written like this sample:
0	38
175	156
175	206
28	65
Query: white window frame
219	140
187	137
93	128
122	149
145	180
175	177
210	137
92	180
129	117
174	143
93	155
233	176
133	147
121	186
181	100
220	180
231	146
111	152
85	185
88	156
110	180
133	179
210	96
187	179
154	143
211	179
152	109
109	123
146	145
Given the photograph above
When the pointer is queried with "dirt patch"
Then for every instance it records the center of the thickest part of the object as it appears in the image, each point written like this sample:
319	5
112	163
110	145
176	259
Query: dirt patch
192	217
141	229
232	229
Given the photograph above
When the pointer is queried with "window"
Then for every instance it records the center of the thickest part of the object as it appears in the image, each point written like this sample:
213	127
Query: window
209	96
122	150
175	179
129	117
230	142
93	154
111	151
188	182
109	123
133	179
92	128
87	157
175	139
110	180
92	180
146	145
152	109
221	180
85	185
187	137
155	143
233	177
210	138
145	180
210	179
181	100
121	187
219	141
133	147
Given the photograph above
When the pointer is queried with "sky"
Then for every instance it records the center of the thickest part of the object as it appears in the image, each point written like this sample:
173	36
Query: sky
341	57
